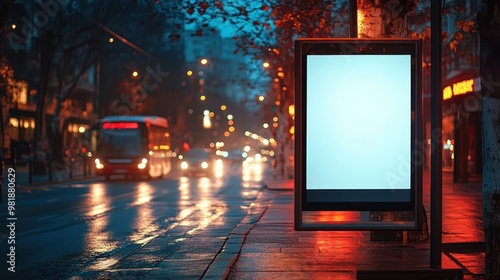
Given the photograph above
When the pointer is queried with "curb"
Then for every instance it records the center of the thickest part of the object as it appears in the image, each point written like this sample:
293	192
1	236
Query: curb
36	183
231	250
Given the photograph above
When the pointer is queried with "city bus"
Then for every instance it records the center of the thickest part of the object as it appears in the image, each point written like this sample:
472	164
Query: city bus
133	146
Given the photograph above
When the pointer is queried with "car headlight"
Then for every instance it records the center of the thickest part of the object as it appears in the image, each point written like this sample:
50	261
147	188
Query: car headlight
184	165
98	164
204	165
143	163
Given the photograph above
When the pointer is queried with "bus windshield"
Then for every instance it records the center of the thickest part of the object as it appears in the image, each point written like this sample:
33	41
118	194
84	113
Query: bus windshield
121	142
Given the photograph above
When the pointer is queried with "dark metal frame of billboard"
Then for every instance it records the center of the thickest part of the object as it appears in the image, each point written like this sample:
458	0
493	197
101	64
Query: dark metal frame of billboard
357	46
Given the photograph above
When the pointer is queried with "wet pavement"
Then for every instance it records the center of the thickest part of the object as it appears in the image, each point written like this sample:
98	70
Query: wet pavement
171	228
272	249
264	245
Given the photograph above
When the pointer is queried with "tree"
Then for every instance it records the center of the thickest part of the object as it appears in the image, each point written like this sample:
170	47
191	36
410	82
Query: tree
489	28
270	40
75	50
140	44
62	36
388	19
5	7
71	37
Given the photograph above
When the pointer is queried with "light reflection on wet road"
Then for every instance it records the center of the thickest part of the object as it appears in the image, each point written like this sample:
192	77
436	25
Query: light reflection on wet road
79	230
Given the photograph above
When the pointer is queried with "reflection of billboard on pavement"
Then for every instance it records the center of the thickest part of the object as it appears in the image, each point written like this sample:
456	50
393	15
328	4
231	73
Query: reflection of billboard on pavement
358	132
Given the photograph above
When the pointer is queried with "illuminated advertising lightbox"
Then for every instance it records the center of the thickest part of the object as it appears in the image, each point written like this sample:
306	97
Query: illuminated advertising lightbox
358	124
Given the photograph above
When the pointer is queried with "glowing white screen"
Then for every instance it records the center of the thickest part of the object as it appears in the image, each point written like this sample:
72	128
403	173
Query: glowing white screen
358	122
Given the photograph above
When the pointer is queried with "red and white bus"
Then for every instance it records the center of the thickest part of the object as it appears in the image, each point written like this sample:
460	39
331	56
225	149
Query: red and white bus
132	146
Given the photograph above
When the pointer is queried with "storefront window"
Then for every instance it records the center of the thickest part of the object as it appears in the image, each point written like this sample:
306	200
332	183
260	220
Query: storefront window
448	141
21	130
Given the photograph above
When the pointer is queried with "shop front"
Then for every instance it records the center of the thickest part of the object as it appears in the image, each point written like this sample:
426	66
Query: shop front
462	127
74	136
19	135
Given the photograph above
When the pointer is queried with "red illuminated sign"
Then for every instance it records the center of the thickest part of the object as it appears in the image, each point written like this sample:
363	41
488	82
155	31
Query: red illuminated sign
120	125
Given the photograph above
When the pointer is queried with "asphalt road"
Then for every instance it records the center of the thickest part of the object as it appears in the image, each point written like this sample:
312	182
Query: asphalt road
121	228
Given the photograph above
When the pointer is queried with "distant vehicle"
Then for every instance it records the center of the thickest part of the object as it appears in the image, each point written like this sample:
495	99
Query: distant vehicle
196	161
132	146
236	156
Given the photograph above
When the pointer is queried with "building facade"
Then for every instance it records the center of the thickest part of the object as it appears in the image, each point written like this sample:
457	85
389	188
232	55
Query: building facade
26	51
462	149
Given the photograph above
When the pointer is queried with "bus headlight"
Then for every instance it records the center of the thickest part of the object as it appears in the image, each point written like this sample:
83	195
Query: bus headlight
143	163
98	164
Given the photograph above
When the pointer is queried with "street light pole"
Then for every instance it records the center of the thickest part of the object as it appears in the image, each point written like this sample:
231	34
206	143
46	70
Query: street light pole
436	142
